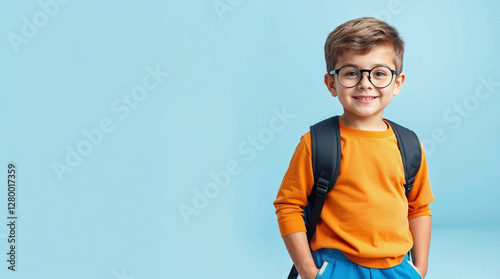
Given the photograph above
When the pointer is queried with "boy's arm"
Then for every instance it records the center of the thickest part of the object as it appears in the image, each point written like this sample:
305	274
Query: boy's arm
419	217
298	248
420	228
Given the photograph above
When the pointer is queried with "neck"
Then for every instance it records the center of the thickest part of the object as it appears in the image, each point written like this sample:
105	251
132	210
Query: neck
361	123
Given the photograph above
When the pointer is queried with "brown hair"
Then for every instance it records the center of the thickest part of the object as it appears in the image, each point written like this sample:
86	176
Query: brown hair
361	35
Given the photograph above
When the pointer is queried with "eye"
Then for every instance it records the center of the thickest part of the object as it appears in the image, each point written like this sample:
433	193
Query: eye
351	74
380	74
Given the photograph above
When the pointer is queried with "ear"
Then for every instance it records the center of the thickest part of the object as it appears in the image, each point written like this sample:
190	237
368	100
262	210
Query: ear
330	84
398	83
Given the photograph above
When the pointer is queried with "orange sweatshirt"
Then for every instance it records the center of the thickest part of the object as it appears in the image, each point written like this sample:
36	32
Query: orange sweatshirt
366	214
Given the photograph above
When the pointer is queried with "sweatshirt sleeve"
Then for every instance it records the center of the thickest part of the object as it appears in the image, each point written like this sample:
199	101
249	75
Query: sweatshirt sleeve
421	195
294	190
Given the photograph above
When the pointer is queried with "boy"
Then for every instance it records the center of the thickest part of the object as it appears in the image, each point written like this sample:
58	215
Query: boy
367	224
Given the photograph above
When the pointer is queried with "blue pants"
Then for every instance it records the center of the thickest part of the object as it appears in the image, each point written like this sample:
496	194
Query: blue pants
334	264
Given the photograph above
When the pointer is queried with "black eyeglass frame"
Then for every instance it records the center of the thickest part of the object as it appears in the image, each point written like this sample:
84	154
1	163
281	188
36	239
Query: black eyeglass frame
361	71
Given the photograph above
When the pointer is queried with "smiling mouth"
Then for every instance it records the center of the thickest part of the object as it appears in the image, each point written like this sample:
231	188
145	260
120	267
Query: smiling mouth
365	98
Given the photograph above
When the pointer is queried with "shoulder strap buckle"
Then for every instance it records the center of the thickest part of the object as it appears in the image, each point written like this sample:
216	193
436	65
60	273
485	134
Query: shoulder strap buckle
322	187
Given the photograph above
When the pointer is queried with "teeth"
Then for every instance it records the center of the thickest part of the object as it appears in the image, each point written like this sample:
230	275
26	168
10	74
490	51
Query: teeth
369	98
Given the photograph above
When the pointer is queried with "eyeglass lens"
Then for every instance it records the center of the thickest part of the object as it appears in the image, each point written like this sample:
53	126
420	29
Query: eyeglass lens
350	76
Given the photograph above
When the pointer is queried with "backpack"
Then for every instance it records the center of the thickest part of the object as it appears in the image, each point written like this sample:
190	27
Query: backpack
326	153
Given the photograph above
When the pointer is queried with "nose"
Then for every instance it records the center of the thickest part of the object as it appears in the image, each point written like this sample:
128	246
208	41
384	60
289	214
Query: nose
365	80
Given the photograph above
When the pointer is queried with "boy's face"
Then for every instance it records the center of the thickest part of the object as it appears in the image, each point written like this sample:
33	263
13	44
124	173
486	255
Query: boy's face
365	101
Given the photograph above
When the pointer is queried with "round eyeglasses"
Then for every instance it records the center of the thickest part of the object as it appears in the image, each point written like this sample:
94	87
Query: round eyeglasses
350	76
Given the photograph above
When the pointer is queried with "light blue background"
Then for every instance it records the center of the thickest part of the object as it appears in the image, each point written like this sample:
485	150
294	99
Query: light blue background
116	215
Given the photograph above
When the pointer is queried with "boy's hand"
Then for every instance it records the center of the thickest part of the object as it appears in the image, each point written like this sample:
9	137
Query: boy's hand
420	228
298	248
310	275
421	271
314	274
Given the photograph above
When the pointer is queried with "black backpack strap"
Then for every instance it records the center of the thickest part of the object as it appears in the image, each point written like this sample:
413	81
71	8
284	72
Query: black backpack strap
411	153
325	148
325	144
